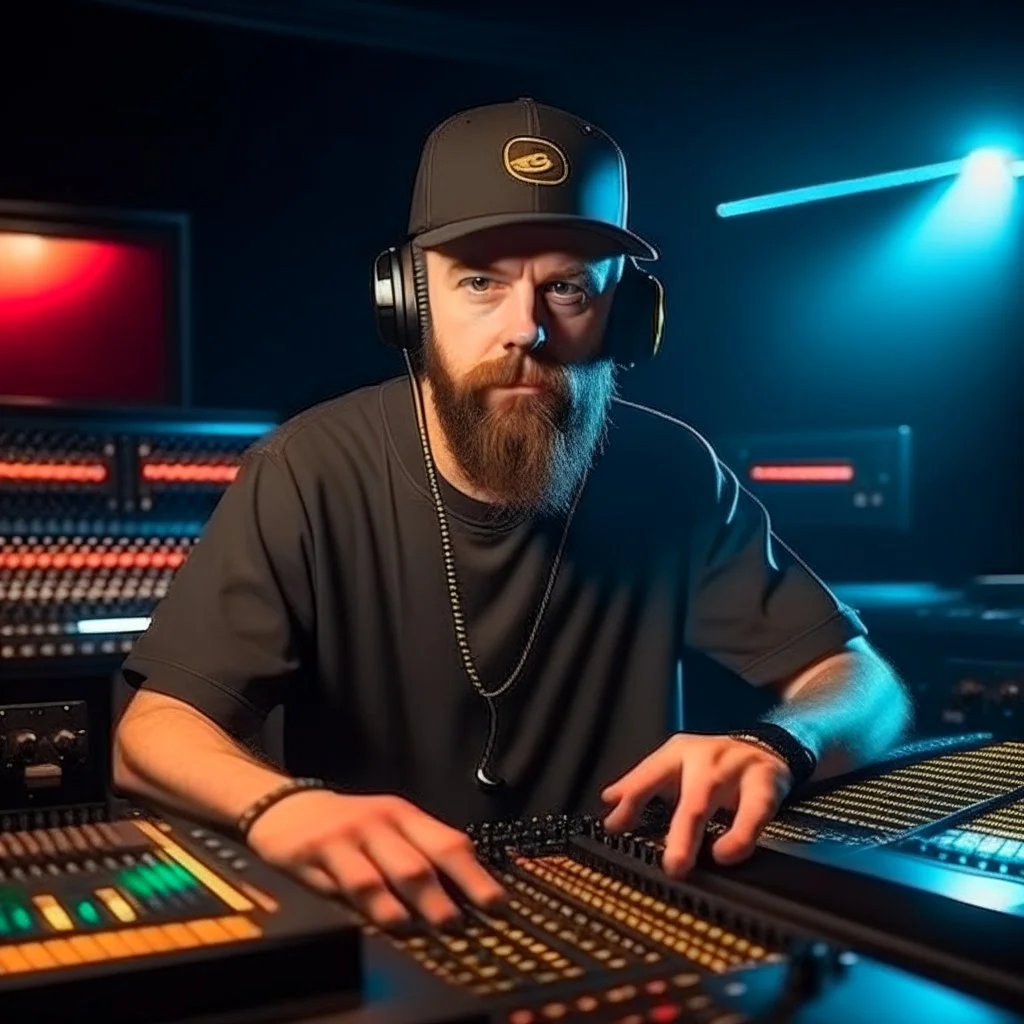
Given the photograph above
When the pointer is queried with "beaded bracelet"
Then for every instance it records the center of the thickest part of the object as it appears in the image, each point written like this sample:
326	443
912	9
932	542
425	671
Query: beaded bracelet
245	823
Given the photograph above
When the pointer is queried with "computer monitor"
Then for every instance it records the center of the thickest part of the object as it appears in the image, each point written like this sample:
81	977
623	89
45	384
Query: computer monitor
93	306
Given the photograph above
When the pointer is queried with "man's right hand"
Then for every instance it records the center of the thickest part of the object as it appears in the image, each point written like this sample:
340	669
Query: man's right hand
382	853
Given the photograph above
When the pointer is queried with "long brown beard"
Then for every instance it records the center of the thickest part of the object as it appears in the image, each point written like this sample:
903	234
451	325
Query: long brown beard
532	450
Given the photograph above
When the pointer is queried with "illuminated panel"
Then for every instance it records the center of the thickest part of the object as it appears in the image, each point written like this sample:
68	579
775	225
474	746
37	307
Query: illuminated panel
82	595
48	472
231	896
827	478
83	319
838	473
163	472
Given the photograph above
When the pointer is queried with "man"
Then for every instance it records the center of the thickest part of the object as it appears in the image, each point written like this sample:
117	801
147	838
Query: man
470	590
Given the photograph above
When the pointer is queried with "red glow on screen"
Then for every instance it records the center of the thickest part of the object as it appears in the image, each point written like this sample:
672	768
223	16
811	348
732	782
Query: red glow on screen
53	472
162	472
82	319
817	474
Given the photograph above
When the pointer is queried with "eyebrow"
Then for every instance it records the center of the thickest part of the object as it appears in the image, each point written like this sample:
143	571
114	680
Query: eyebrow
580	271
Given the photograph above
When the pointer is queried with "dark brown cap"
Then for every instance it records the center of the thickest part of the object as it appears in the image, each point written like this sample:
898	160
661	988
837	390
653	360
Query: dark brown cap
521	163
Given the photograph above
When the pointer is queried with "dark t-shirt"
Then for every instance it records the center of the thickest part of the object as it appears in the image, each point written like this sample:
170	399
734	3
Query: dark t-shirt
319	585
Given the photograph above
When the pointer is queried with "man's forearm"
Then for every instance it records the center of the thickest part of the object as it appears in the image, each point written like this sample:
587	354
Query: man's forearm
173	757
849	709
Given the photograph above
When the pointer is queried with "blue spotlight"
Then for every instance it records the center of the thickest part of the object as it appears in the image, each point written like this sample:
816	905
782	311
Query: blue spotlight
983	163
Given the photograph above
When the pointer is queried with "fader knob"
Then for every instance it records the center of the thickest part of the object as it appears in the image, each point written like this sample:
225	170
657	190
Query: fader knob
813	969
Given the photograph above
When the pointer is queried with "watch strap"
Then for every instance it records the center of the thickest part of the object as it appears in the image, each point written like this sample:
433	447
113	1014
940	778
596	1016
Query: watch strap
783	744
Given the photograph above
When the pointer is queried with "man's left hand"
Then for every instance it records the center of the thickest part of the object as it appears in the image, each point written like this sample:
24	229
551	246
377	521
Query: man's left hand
700	775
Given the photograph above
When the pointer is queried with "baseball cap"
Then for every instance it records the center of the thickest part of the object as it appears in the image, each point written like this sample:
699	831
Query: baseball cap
519	163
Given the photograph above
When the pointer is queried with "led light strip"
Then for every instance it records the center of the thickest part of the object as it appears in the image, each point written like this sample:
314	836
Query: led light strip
53	472
167	472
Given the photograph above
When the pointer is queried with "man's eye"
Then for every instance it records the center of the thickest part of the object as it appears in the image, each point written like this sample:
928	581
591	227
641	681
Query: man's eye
569	291
479	285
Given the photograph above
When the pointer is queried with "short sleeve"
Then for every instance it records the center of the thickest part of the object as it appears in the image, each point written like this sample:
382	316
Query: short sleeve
230	634
753	605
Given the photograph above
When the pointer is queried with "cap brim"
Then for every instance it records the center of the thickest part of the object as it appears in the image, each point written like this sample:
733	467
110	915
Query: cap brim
625	241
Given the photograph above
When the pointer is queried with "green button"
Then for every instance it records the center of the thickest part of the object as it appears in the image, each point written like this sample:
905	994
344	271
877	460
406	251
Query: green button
171	878
22	919
152	879
88	913
136	884
188	880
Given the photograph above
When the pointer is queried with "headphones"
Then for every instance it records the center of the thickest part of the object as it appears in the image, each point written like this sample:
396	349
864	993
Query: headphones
401	307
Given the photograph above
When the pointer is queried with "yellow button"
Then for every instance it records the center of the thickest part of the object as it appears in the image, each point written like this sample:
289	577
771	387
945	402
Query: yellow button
56	916
260	898
116	904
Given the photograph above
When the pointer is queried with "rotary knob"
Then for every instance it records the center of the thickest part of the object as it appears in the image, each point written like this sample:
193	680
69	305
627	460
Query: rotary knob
24	744
65	742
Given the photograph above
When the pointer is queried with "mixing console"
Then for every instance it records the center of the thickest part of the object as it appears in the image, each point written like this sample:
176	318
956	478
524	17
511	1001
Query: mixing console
855	908
846	905
102	914
97	512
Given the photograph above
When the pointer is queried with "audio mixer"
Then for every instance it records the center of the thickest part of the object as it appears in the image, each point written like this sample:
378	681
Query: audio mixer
98	511
894	893
139	919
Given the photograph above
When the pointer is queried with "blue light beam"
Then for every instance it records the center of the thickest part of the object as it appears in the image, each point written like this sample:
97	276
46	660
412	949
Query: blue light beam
854	186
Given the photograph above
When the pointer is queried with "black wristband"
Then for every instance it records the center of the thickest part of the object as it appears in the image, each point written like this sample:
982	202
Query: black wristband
798	758
249	818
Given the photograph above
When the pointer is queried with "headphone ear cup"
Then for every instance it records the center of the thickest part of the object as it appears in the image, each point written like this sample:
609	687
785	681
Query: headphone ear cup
399	293
636	323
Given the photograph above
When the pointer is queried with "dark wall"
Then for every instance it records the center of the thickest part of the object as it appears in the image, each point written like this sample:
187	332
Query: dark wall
295	159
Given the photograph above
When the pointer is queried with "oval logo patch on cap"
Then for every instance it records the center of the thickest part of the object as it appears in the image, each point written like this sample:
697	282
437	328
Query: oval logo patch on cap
535	161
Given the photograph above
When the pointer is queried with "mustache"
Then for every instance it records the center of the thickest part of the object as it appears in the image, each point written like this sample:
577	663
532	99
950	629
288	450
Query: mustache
519	370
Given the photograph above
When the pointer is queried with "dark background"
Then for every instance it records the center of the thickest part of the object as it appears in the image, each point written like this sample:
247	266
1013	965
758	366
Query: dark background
290	134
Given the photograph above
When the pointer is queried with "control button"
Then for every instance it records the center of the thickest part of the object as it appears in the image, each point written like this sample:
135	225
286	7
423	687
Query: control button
88	913
664	1013
239	864
117	905
21	919
554	1011
56	916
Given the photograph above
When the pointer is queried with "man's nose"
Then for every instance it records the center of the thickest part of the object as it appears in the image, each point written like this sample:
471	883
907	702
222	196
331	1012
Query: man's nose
529	340
528	332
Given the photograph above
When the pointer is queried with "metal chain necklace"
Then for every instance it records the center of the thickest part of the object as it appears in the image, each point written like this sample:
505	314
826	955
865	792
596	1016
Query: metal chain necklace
485	776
